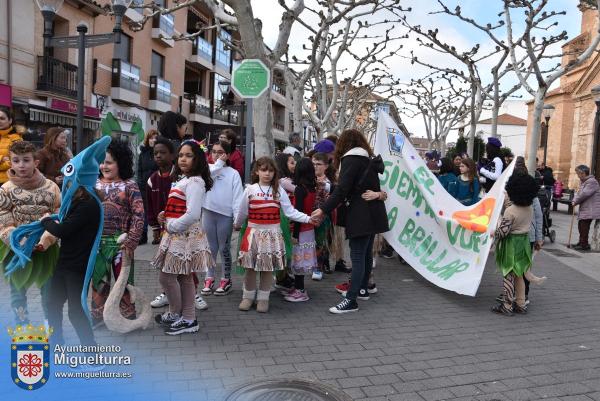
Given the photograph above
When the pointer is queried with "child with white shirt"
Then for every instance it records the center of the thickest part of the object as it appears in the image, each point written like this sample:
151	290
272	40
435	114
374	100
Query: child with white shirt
221	204
262	245
184	248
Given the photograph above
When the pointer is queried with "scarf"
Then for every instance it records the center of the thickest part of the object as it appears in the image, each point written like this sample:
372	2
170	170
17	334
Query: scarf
7	131
35	181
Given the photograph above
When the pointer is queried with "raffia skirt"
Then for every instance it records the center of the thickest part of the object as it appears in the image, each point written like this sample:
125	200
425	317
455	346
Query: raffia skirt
184	253
262	248
513	254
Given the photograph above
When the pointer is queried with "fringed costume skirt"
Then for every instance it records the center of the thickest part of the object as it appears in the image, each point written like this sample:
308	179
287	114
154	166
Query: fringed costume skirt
184	253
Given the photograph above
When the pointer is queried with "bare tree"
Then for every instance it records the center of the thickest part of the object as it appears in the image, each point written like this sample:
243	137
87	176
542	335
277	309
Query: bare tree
332	102
535	41
441	100
251	45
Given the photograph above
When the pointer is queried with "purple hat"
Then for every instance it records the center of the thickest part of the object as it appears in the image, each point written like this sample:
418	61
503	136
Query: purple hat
325	146
494	142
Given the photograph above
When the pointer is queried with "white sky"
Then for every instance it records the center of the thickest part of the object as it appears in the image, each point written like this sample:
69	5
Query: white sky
452	30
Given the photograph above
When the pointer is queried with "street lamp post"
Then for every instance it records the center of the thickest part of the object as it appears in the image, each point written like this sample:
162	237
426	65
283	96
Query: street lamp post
228	102
49	8
547	112
596	94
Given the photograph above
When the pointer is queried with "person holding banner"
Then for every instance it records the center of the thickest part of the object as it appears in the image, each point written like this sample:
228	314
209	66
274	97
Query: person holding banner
359	192
513	251
492	170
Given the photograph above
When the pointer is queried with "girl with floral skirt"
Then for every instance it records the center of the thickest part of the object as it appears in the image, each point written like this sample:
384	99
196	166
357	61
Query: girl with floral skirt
304	252
184	248
262	246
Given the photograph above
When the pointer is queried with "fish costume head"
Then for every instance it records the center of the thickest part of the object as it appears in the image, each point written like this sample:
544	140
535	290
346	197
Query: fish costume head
81	171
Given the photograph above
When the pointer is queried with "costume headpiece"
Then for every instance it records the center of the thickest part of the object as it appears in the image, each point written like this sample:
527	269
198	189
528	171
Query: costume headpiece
81	171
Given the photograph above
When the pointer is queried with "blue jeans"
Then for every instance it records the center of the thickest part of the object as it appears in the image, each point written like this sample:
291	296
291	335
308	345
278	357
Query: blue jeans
18	303
361	255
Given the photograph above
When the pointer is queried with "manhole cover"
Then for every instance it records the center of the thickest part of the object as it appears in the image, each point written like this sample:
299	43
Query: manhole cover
287	390
561	254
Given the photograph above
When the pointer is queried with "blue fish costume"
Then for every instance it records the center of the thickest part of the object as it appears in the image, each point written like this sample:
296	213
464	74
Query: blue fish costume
81	171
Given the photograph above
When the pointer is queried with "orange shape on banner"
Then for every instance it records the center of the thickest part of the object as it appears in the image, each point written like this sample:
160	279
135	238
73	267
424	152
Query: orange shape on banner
478	218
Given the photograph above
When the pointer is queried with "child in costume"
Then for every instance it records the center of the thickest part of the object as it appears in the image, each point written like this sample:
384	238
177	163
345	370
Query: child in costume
324	232
77	233
221	205
286	164
184	248
123	213
262	247
304	253
24	198
80	172
513	251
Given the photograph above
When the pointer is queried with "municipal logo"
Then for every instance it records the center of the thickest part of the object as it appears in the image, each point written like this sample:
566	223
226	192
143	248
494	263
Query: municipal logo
395	141
29	356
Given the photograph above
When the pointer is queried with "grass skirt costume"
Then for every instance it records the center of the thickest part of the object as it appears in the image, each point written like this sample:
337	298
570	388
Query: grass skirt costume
513	254
184	253
109	261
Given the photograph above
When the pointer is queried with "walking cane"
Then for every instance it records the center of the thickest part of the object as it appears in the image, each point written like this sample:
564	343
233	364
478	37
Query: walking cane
571	228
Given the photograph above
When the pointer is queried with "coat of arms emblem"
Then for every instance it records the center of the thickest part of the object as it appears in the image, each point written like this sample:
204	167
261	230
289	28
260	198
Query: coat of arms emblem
30	356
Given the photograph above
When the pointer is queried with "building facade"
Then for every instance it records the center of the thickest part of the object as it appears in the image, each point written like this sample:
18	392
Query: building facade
572	138
128	85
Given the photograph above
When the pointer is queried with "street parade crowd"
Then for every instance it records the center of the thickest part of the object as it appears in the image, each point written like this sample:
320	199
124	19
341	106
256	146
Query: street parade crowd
70	222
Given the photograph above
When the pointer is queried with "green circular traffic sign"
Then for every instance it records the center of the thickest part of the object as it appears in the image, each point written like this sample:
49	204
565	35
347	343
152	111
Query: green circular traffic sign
251	78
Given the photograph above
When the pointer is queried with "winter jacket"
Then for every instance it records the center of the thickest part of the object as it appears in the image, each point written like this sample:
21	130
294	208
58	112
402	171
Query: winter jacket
7	137
236	161
362	217
145	167
450	183
51	161
588	199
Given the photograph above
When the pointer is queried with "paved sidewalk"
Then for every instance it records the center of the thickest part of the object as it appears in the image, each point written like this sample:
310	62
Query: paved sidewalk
583	262
411	341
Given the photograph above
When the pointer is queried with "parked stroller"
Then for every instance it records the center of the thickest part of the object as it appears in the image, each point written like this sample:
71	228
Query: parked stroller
545	197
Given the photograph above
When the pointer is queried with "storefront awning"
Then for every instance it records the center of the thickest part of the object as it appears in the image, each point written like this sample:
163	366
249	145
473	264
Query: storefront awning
63	120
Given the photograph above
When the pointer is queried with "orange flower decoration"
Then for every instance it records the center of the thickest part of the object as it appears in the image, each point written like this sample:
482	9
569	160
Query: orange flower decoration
478	218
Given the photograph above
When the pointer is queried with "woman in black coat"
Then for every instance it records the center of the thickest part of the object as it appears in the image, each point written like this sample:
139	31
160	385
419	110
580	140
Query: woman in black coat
359	192
145	167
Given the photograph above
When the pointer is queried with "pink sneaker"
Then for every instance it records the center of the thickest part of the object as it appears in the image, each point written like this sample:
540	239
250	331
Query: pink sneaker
297	296
208	286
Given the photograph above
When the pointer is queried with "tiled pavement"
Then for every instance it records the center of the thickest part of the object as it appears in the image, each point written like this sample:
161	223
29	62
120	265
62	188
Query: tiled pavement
411	341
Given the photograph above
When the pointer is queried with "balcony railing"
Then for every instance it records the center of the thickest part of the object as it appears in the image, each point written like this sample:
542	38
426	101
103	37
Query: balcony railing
219	112
165	22
57	76
278	89
125	75
203	48
199	105
160	89
278	126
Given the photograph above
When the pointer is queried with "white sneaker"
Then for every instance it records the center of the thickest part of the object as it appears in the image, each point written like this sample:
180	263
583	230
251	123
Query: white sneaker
317	275
160	301
200	303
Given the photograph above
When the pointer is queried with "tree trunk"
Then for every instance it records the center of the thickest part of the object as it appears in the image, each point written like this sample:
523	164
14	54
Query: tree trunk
252	42
494	132
538	107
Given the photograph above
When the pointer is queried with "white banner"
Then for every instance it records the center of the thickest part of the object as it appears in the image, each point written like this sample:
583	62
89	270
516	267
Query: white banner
446	242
